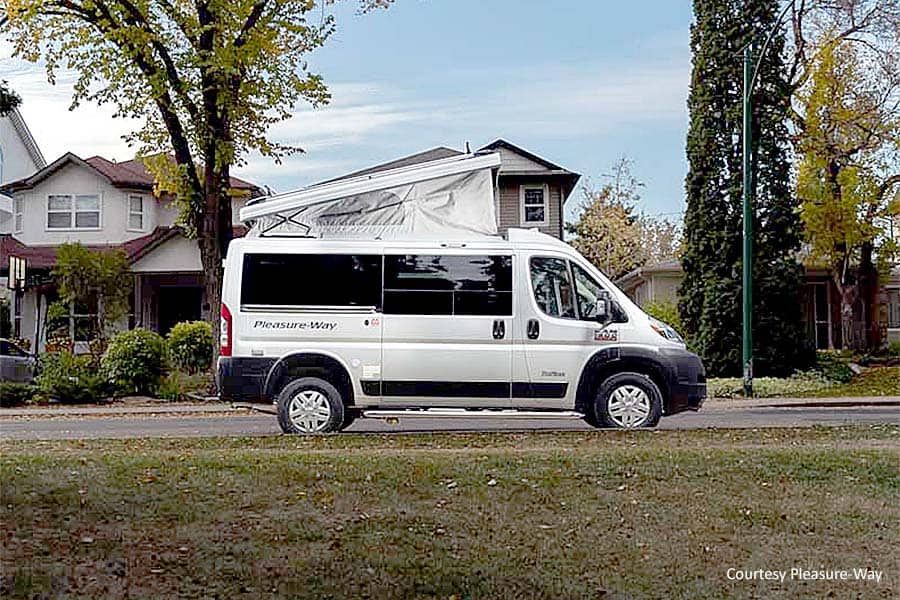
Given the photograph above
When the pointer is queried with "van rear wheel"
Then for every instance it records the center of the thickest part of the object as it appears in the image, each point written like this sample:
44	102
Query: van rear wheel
310	405
628	401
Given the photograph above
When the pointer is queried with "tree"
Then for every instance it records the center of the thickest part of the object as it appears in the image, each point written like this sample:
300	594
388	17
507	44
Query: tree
8	98
206	77
612	235
849	146
94	279
710	295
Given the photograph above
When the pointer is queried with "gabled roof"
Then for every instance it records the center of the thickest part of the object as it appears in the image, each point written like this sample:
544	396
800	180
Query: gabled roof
31	146
569	179
44	257
130	174
501	143
406	161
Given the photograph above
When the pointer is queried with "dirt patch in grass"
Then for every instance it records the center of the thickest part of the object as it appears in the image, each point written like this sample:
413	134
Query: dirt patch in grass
540	515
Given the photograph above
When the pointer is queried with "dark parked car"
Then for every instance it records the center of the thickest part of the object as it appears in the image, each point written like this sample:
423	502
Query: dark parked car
15	363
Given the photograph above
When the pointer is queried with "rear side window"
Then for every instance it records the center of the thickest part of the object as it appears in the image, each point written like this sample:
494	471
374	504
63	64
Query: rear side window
338	280
427	284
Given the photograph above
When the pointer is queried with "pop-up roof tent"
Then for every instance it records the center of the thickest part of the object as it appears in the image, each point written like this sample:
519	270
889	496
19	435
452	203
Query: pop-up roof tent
450	197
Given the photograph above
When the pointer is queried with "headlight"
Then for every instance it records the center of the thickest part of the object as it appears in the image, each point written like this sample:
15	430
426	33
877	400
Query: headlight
665	331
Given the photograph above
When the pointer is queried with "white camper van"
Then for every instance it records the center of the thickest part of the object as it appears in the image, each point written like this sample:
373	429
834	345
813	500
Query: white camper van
518	325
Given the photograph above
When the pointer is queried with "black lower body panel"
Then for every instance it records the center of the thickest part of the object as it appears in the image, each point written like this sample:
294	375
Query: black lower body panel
243	379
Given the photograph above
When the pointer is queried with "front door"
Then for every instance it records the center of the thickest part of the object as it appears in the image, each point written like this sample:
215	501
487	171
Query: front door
558	331
177	304
447	329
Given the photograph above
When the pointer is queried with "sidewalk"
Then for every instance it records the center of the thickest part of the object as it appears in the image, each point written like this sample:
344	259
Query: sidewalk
151	408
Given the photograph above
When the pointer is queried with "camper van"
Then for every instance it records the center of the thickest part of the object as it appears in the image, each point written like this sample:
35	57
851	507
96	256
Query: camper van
393	295
523	325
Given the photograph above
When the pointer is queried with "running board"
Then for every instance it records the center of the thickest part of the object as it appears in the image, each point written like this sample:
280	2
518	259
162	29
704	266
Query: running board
465	413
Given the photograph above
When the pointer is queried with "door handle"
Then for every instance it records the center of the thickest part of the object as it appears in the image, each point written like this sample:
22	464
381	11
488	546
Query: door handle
534	329
499	329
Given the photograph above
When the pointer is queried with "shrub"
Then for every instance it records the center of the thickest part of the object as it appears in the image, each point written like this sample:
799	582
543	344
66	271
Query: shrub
768	387
667	312
16	394
134	362
70	378
894	349
831	367
191	345
178	385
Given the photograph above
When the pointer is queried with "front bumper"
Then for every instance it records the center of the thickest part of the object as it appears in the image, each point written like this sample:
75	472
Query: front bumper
687	381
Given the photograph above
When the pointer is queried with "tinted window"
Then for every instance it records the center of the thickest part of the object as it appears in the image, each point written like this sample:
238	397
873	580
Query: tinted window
425	284
552	287
311	280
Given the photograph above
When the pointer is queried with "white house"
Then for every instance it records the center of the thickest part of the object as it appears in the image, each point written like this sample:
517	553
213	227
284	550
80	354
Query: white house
103	205
19	154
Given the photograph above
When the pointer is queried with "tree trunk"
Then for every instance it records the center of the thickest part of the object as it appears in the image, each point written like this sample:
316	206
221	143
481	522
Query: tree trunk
213	235
868	292
849	293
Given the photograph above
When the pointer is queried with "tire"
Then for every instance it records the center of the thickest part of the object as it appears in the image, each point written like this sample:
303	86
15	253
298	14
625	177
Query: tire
350	415
590	418
628	401
316	404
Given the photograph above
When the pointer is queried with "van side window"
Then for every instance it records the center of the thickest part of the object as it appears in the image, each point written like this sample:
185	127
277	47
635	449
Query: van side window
587	290
311	280
552	287
427	284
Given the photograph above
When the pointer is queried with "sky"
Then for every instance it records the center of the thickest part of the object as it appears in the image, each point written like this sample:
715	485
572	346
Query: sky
580	83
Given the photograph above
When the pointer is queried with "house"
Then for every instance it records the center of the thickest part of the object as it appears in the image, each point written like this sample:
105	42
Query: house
102	204
531	191
19	154
820	299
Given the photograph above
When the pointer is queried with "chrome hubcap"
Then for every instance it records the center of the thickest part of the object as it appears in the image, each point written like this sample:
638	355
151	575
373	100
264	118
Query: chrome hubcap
309	411
628	406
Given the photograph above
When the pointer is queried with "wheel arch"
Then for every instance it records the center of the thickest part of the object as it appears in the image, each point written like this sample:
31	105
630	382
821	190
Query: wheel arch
309	364
609	361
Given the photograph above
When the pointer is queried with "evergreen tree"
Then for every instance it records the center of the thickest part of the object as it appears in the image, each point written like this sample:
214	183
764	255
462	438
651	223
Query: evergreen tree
710	296
8	99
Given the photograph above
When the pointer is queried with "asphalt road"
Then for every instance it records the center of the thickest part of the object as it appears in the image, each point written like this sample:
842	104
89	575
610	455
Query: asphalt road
255	424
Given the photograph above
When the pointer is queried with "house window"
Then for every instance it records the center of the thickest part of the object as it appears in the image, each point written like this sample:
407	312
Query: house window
73	212
18	215
82	321
135	213
894	308
821	316
17	315
533	200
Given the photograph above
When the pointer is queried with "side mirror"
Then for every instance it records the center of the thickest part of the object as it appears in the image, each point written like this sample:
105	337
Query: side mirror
603	308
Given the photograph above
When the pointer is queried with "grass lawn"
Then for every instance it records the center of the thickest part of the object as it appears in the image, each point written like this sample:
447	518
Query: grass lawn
877	381
874	381
540	515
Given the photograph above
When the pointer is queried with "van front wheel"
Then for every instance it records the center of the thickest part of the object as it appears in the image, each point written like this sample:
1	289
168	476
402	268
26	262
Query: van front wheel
310	405
628	401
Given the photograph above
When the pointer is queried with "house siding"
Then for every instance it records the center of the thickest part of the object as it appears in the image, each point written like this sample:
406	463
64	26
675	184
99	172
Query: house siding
17	162
508	209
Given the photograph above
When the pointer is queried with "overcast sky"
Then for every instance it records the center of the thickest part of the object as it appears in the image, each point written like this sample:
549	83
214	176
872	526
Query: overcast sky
579	83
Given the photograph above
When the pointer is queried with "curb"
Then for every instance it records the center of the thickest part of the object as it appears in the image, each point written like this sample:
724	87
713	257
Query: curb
93	411
864	401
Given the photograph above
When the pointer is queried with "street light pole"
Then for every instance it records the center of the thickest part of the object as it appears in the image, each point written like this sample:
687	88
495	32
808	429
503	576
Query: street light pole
751	72
747	313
